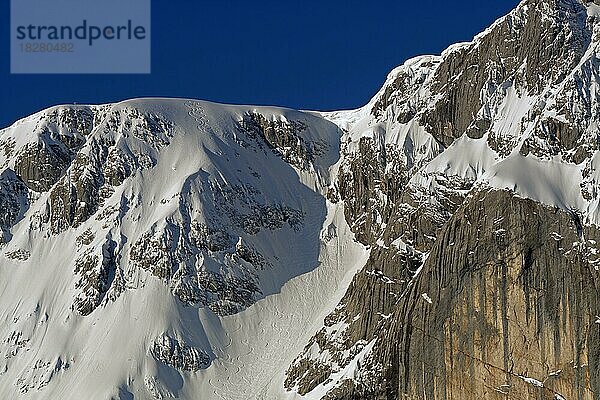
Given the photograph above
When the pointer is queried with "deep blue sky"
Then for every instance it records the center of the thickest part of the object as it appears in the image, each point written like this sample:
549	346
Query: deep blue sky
323	55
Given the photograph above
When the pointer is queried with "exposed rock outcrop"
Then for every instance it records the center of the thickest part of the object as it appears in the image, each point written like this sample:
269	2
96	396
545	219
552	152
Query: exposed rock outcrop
505	305
179	355
14	202
534	46
96	273
283	138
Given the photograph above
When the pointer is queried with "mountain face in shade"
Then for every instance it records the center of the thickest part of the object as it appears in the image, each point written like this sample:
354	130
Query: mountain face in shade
440	242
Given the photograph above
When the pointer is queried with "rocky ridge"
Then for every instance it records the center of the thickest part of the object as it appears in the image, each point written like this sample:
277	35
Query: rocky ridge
444	122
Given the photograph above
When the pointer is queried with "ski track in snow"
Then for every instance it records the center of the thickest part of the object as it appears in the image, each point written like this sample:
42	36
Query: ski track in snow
235	382
197	112
253	348
250	350
246	369
260	358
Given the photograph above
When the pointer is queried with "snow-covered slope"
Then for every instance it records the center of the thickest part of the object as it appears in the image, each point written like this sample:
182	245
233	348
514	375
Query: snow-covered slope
165	215
173	248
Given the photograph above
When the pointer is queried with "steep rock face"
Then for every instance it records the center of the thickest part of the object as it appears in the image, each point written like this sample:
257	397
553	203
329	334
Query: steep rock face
349	329
56	137
505	306
400	222
406	90
41	164
534	46
76	196
284	138
370	182
14	202
529	67
568	128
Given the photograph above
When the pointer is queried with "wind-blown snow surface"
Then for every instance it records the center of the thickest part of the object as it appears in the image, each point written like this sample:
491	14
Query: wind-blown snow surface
50	351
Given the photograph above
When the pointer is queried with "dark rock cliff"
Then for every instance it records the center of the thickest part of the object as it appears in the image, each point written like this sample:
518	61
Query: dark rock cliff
505	307
512	312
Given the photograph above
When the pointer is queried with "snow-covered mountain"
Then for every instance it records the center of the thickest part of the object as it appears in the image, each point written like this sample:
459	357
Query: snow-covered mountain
438	243
141	235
